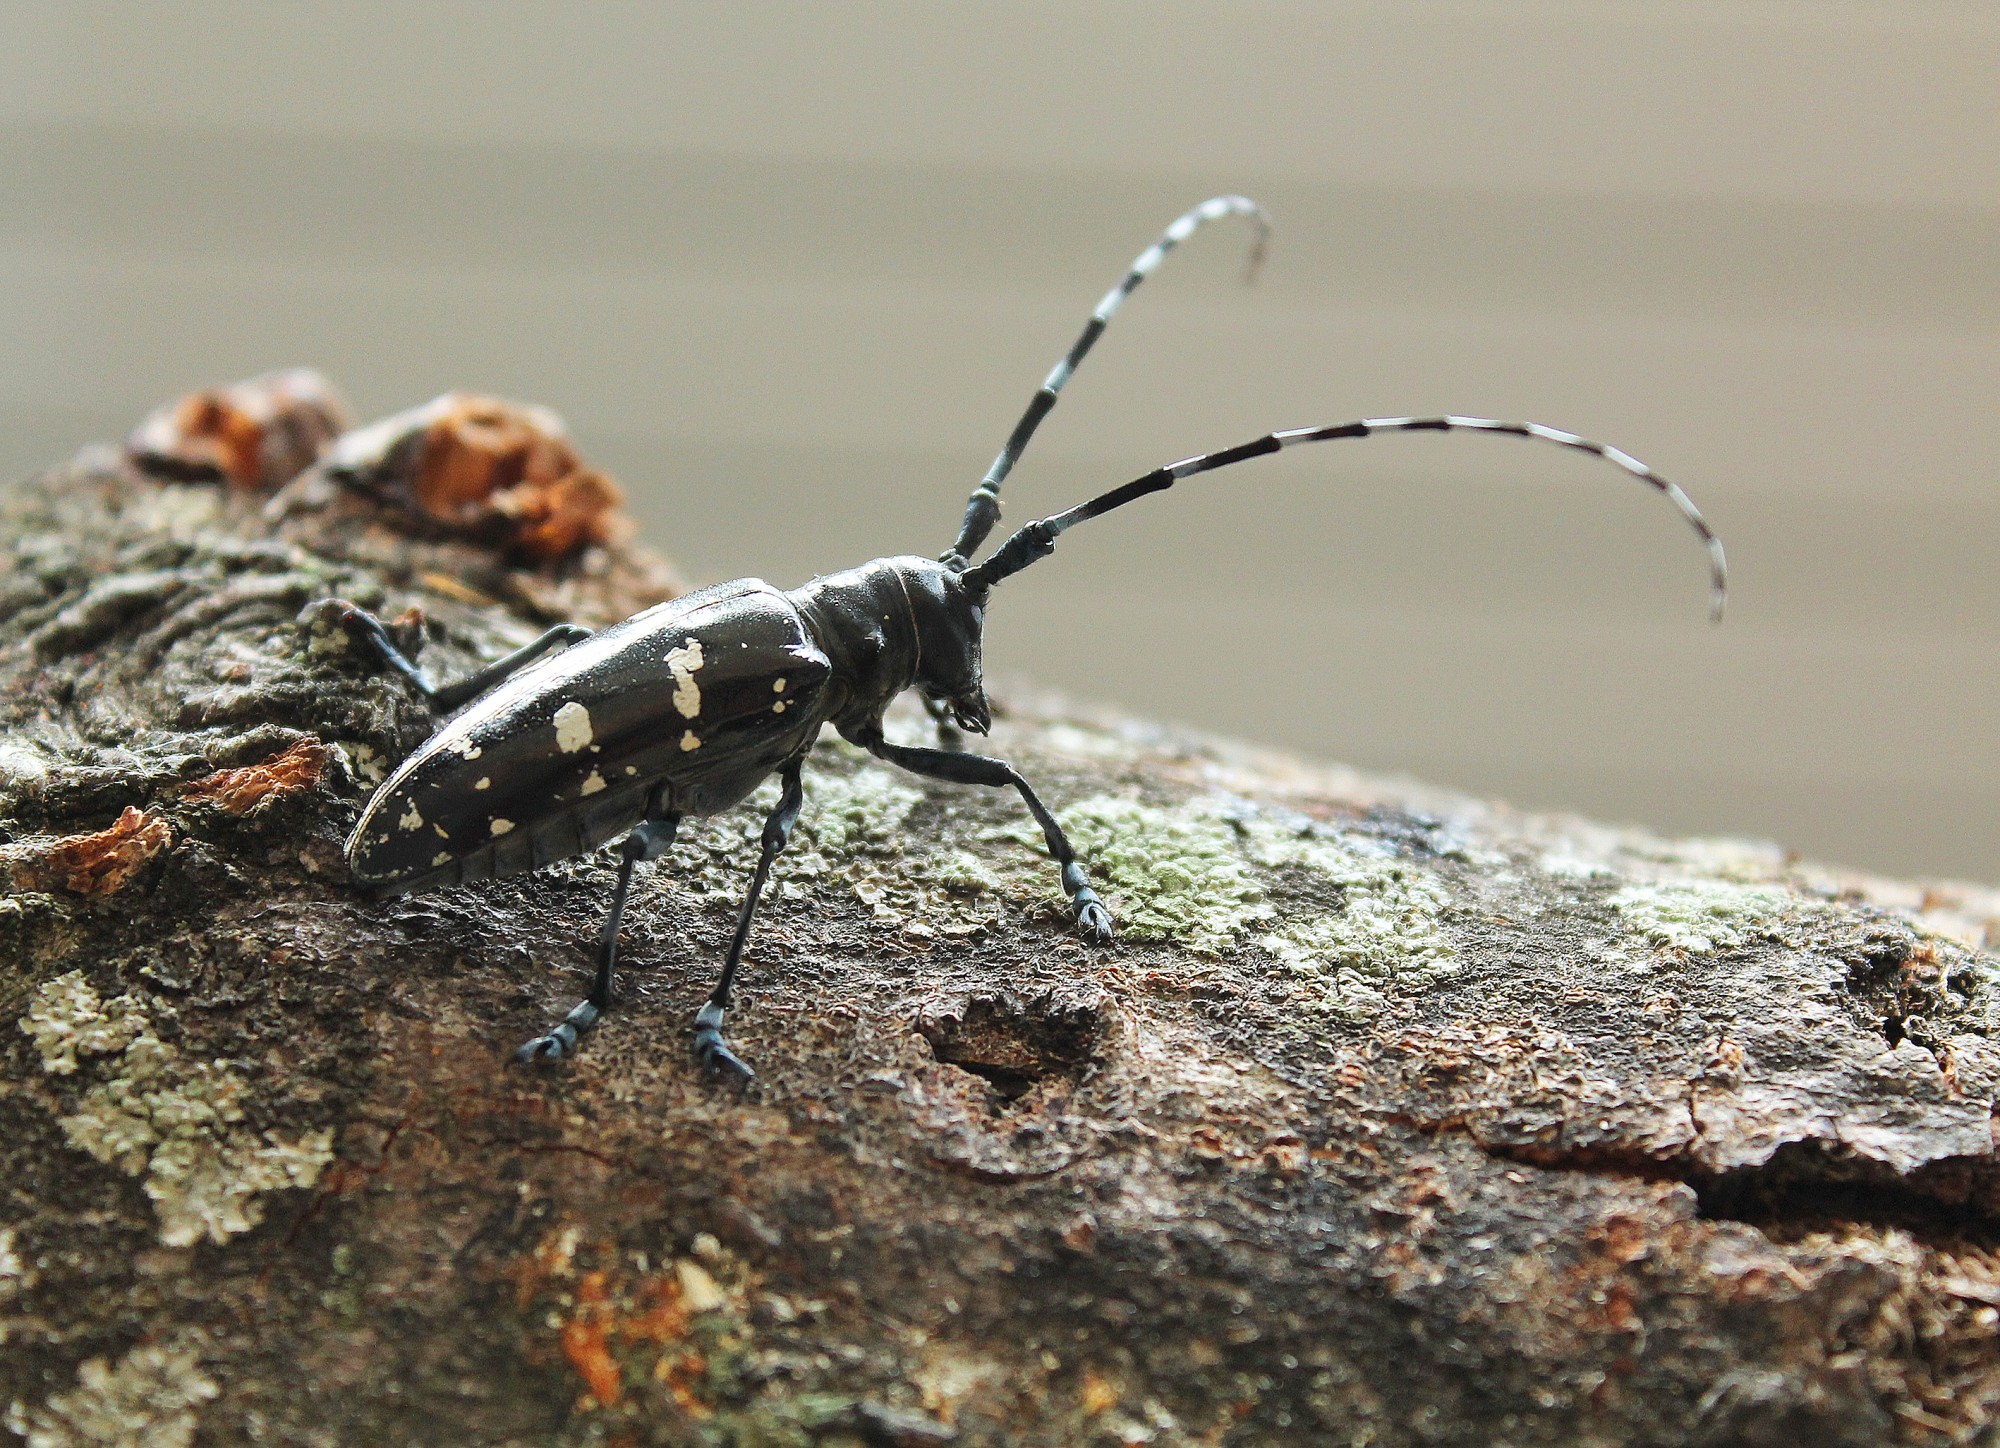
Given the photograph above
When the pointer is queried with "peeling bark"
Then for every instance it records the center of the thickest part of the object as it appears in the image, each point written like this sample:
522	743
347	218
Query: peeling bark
1393	1117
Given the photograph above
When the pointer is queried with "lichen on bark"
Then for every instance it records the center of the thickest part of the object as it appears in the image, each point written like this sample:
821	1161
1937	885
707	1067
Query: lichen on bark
1395	1118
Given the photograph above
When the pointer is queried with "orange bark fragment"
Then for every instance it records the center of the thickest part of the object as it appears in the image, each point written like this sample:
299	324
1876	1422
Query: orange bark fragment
241	790
481	453
1100	1394
255	434
101	863
585	1342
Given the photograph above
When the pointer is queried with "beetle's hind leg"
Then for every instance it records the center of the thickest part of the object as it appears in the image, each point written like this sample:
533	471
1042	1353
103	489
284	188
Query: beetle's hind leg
648	841
709	1047
373	636
1092	919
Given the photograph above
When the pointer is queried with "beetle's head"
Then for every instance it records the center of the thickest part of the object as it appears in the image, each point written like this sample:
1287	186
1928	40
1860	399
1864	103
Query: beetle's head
950	620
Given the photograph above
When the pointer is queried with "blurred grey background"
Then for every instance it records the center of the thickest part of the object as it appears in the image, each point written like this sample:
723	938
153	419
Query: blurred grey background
792	272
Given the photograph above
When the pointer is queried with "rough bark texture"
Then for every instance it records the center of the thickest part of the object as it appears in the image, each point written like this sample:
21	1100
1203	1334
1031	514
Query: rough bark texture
1389	1119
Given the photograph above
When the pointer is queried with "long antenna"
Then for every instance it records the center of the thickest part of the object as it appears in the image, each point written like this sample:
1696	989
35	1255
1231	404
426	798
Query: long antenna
982	510
1038	539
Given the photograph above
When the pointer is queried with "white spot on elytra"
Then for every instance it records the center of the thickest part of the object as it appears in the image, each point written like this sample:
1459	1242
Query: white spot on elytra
777	686
500	827
631	769
466	749
442	857
485	781
779	707
572	727
683	663
412	818
592	784
689	741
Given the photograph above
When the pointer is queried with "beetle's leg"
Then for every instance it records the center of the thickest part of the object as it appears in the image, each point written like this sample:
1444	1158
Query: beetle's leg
948	734
648	841
446	697
1092	919
709	1047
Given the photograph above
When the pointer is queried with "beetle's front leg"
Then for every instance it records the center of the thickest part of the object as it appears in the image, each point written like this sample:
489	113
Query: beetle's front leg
373	635
949	736
1092	919
709	1047
648	841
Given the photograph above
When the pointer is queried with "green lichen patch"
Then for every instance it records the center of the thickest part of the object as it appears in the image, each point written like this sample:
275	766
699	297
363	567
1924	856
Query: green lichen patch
1216	871
1702	915
69	1019
861	810
148	1399
1175	875
853	828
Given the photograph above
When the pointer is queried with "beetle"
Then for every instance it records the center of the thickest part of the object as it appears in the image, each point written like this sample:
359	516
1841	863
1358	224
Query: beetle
685	708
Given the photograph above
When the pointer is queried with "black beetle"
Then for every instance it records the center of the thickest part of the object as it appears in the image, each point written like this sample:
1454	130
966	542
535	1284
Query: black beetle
686	708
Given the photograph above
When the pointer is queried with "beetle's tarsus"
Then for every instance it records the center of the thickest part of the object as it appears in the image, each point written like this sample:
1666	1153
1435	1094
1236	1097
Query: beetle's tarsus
373	635
560	1042
949	736
1093	921
711	1050
541	1051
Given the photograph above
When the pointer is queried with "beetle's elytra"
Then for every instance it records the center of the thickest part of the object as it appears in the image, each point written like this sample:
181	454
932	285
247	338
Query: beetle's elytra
686	708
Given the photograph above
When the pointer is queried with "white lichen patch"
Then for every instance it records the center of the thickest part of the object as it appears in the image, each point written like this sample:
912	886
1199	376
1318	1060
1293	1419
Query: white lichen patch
148	1399
1166	874
160	1115
177	1122
1387	930
68	1019
690	741
364	761
13	1271
592	783
684	663
699	1292
499	827
1702	915
573	729
412	818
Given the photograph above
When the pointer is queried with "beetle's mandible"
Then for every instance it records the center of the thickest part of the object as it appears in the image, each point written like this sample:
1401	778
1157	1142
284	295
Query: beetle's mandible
686	708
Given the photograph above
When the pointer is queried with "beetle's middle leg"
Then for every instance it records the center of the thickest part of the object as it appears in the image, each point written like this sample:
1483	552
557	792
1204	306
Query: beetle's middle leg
648	841
709	1047
1092	919
374	635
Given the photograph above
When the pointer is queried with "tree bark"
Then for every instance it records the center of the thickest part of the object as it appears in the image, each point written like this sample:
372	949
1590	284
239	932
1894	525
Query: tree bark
1391	1117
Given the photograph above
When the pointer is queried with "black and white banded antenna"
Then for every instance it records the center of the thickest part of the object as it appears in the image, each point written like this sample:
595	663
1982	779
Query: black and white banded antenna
982	510
1038	539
